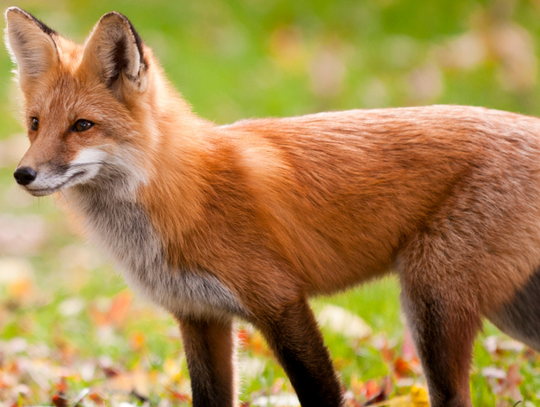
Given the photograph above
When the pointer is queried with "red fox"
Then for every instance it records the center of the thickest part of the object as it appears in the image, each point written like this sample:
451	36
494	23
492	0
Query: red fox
251	219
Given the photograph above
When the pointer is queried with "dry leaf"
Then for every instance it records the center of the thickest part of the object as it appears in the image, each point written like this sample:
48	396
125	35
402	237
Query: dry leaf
115	314
378	394
71	306
13	268
277	400
60	400
252	367
505	383
418	397
497	346
344	322
137	341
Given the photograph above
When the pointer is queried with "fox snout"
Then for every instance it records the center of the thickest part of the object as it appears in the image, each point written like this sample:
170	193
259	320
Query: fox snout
47	181
53	175
24	175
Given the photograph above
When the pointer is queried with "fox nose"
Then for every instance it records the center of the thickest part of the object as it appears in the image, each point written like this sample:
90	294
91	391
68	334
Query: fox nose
24	175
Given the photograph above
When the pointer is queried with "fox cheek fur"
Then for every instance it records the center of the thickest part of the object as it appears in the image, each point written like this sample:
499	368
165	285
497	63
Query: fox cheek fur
251	219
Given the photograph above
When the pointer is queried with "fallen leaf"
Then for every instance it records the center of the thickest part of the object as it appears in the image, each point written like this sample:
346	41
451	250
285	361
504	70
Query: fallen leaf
116	312
418	397
371	389
14	268
71	306
277	400
277	386
252	367
60	400
381	394
256	343
97	398
61	386
402	368
513	381
137	341
494	372
172	367
21	289
385	347
181	397
243	336
344	322
82	394
495	345
408	349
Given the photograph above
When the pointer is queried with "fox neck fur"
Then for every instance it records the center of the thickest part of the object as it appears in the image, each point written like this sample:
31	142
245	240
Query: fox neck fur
119	224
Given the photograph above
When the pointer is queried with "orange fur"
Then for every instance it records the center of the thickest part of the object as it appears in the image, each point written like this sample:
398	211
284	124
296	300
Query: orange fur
335	196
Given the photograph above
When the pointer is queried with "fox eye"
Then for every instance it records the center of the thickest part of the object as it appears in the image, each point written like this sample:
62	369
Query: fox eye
34	123
82	125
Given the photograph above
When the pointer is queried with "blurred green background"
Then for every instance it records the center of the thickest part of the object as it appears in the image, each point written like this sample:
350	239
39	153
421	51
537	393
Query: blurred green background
68	323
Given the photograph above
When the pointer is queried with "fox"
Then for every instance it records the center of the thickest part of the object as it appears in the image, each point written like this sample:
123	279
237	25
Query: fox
250	220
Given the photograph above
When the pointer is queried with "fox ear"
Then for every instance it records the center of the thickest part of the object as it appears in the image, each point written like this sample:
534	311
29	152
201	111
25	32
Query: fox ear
31	45
114	51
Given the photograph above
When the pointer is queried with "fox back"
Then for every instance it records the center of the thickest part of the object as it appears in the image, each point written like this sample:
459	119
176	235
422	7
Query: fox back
250	219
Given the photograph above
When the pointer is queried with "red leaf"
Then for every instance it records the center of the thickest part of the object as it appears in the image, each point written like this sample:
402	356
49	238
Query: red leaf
110	372
181	397
117	312
97	399
60	400
61	386
382	394
243	336
402	368
371	389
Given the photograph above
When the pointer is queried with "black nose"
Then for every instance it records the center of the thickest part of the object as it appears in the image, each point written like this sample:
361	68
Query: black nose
24	175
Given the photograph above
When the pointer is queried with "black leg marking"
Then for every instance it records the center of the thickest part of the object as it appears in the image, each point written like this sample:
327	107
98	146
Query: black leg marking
444	337
209	347
520	318
299	347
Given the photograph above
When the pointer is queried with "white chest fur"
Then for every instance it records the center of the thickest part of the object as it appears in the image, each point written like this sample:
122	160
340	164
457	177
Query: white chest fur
123	230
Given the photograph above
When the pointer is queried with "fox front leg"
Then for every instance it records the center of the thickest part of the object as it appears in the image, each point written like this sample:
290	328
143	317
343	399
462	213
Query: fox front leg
293	335
209	347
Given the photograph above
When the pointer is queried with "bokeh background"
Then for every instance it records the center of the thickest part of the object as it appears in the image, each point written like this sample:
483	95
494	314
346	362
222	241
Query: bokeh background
71	331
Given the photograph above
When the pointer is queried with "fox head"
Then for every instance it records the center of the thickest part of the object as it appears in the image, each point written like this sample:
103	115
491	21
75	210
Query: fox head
86	106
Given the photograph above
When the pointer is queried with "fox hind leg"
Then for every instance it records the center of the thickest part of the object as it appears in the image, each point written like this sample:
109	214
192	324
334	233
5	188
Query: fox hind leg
444	338
443	317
